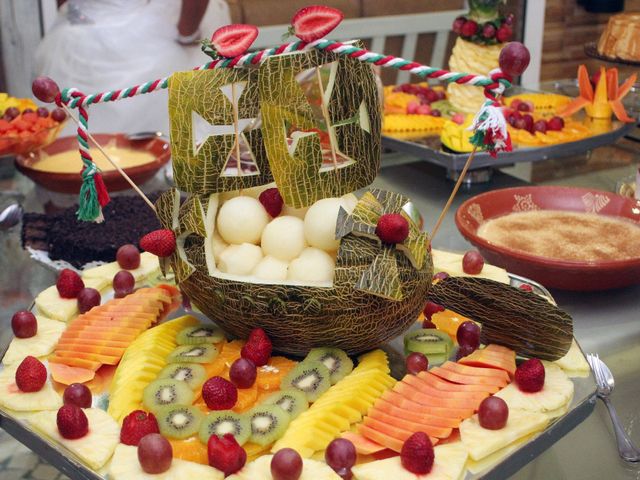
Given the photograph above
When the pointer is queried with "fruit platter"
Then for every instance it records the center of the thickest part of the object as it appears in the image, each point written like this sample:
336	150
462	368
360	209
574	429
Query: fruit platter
287	321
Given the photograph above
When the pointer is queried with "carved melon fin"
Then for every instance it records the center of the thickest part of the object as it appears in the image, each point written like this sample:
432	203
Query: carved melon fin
382	278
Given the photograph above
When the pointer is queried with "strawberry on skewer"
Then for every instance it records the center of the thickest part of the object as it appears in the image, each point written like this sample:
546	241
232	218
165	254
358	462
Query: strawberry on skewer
231	40
314	22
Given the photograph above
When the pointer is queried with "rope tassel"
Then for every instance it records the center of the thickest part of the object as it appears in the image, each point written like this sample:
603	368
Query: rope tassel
490	130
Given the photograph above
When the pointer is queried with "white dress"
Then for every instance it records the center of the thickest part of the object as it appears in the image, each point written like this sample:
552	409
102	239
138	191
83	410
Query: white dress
99	45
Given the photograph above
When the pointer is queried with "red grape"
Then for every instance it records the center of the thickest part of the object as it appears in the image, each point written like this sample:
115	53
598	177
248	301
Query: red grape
286	464
441	276
472	263
488	31
436	113
11	112
528	122
555	123
340	455
432	96
128	257
123	283
28	110
520	124
59	115
42	112
87	299
77	394
457	24
509	19
469	28
540	126
417	362
514	58
24	324
243	373
464	351
45	89
523	107
155	453
430	308
493	413
468	334
504	34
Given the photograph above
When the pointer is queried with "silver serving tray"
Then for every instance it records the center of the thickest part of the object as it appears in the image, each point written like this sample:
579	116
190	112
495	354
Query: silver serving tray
582	405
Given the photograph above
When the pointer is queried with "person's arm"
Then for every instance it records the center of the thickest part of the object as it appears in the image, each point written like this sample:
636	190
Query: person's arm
191	14
61	2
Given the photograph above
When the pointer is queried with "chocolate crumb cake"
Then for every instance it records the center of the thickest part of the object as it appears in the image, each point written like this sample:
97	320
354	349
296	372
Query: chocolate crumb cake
127	218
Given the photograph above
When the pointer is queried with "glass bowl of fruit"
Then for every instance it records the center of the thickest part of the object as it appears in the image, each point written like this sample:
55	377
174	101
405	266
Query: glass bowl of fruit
26	131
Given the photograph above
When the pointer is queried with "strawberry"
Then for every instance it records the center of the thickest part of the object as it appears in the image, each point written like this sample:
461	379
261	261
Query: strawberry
417	454
161	243
225	454
233	40
315	21
219	394
72	422
526	287
530	376
258	348
136	425
392	228
272	201
69	284
31	375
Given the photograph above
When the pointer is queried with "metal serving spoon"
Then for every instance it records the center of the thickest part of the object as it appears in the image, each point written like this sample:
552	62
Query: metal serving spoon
10	216
143	136
605	381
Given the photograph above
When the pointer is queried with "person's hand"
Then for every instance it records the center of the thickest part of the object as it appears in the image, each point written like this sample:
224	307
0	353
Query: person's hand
189	40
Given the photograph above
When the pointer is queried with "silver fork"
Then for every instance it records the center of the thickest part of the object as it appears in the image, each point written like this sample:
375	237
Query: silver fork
605	382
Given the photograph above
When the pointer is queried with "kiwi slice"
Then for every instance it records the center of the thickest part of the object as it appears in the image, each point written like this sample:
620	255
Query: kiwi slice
179	421
166	391
292	401
310	377
336	360
199	335
428	341
192	374
219	423
268	424
193	354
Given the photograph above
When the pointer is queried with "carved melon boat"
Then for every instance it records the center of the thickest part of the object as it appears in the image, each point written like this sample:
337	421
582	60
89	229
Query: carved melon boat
378	289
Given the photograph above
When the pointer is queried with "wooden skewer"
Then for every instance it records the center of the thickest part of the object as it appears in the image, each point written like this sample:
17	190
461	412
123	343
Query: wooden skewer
110	160
325	114
236	144
453	193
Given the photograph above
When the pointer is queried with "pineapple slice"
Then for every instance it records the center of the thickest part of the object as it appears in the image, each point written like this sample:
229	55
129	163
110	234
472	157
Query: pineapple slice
573	363
448	464
451	263
125	466
96	447
496	457
482	442
555	394
260	469
50	304
14	399
41	344
149	266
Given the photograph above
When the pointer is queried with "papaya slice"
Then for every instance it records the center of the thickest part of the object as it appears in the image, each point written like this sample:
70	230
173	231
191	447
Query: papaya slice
476	371
620	112
466	379
409	425
75	362
447	386
574	106
612	83
380	438
416	415
421	385
584	83
400	401
392	431
363	445
67	375
417	396
625	87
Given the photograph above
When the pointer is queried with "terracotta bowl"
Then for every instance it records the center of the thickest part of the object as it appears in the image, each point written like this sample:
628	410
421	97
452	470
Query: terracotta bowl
566	275
70	182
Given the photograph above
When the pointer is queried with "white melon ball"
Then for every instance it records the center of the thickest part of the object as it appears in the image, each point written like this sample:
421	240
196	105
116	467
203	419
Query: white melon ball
271	268
313	265
320	223
242	220
218	245
349	202
247	192
283	238
240	259
295	212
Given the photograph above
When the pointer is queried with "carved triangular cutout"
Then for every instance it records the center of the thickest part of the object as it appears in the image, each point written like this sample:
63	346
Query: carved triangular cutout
248	163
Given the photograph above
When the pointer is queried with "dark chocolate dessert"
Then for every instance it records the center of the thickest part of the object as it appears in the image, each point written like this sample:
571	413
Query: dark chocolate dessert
66	238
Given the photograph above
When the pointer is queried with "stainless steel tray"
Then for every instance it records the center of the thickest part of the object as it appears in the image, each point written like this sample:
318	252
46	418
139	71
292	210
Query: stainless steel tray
582	405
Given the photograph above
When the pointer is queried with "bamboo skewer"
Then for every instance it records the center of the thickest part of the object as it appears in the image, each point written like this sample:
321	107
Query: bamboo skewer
236	144
111	161
456	187
325	114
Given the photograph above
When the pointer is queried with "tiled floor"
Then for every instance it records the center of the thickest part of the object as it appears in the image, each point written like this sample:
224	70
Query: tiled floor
18	462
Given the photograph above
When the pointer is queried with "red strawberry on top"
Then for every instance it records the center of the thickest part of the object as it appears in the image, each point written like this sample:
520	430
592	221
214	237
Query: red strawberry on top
69	284
219	394
258	348
272	201
530	376
315	21
137	425
225	454
233	40
31	375
392	228
72	422
417	454
161	243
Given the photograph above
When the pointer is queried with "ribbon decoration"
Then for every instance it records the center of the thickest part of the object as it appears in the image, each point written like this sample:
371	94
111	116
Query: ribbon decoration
382	277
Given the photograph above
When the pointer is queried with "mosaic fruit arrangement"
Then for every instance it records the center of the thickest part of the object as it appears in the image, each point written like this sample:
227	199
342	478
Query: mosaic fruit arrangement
183	399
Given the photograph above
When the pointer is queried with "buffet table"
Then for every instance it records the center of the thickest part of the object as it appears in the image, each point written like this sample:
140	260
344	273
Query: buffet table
605	322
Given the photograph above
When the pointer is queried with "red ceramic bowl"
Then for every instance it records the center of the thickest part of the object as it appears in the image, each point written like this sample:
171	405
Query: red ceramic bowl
566	275
70	182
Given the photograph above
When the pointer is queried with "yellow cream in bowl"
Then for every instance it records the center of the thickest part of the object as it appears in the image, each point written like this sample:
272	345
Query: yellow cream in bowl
69	161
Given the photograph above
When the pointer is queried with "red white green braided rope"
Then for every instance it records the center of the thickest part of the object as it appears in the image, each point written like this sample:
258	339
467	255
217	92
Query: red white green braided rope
489	126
